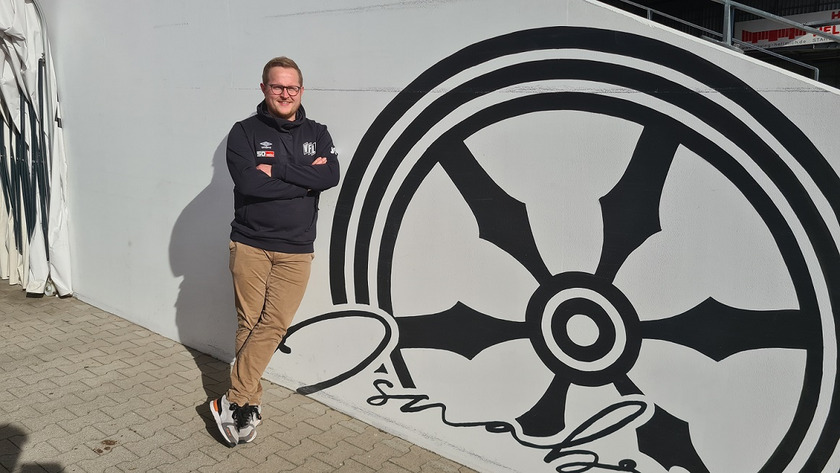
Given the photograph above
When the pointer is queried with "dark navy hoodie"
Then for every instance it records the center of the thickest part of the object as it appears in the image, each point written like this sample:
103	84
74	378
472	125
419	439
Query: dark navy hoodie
279	212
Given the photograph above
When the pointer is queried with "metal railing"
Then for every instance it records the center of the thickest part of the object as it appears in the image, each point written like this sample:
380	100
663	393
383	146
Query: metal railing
726	38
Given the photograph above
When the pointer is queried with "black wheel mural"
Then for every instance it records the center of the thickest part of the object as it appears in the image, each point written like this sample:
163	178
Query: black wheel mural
774	167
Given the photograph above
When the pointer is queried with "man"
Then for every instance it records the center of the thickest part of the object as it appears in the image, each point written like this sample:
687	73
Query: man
280	161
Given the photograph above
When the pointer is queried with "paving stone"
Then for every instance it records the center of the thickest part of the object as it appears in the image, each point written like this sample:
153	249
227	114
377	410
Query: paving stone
339	454
22	411
270	427
389	467
327	419
439	465
379	454
263	448
110	368
193	462
32	393
8	462
107	455
305	449
398	444
234	462
8	448
170	381
355	425
98	389
296	416
151	445
368	438
37	422
73	372
25	437
48	467
276	463
186	431
330	438
314	465
76	426
41	377
91	393
135	375
68	459
414	459
168	393
293	436
81	437
131	405
289	404
165	368
87	355
144	463
66	397
118	434
352	466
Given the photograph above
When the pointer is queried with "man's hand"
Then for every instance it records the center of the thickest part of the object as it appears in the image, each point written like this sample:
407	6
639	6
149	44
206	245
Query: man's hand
266	168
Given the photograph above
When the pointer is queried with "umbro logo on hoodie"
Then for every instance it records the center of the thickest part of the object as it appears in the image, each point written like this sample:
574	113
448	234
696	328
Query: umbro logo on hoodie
266	145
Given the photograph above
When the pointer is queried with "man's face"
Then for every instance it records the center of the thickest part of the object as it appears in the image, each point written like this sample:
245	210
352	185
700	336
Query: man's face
283	104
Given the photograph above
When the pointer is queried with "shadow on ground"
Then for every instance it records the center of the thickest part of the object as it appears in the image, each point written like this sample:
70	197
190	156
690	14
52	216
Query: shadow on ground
199	254
215	380
12	441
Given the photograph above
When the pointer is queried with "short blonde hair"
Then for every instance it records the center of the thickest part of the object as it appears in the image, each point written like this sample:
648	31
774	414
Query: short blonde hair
281	61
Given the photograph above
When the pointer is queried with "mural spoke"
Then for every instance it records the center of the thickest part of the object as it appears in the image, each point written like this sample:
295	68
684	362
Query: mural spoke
502	220
718	331
625	386
580	322
667	440
460	330
631	209
547	416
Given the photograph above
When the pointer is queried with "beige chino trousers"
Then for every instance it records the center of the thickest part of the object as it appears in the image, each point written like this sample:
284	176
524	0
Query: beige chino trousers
268	288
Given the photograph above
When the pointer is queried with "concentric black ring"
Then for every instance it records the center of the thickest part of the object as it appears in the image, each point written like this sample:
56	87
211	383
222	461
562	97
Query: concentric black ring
593	311
629	350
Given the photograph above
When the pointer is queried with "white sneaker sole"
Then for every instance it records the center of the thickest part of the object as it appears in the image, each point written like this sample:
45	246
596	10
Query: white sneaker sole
228	431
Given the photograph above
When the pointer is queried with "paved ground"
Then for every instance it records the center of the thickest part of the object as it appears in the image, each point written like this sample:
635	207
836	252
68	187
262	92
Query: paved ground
85	391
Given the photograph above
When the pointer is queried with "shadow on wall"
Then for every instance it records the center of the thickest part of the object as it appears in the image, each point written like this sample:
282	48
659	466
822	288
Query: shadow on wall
14	439
198	252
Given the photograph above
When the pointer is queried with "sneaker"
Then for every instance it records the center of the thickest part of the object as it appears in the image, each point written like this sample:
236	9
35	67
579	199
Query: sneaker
251	416
225	414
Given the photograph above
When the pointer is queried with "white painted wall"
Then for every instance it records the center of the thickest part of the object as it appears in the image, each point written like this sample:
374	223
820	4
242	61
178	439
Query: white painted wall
150	89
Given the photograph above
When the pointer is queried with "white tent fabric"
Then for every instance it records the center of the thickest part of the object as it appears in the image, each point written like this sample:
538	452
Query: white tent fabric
59	234
34	187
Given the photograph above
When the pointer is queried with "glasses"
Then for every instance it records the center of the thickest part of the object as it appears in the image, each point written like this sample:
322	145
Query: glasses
278	89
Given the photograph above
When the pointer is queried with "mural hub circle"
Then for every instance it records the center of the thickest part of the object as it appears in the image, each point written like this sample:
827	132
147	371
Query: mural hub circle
588	329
